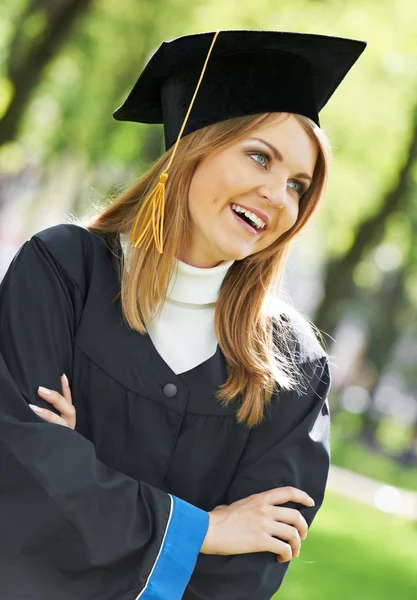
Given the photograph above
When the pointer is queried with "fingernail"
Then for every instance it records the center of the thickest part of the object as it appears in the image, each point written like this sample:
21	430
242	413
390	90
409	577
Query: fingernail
312	503
65	378
44	390
36	409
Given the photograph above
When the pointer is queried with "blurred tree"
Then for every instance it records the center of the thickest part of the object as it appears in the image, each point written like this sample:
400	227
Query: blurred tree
391	314
339	287
390	300
39	33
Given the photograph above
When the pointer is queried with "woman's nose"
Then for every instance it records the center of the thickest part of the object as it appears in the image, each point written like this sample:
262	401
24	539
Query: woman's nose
274	195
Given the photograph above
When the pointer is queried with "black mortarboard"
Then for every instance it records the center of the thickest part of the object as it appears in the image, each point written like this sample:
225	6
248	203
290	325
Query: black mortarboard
249	72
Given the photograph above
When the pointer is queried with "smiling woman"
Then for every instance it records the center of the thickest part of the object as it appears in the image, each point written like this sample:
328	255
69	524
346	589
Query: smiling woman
215	167
196	450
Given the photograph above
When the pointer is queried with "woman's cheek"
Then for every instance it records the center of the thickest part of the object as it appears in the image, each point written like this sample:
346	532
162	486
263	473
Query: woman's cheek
232	178
291	215
285	223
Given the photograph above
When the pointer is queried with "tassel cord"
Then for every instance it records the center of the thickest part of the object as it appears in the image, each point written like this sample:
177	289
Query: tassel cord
155	201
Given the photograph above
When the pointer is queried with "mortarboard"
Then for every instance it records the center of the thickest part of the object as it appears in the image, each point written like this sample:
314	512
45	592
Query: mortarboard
244	73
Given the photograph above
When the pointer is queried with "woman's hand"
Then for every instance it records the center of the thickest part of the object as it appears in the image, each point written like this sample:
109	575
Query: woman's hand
254	523
62	403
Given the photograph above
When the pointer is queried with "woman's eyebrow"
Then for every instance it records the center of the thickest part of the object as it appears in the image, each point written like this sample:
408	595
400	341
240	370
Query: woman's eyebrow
278	156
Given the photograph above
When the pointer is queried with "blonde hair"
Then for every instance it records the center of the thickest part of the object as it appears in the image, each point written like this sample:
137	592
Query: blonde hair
247	334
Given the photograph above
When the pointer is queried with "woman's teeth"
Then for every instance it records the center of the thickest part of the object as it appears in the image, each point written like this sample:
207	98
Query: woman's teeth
257	221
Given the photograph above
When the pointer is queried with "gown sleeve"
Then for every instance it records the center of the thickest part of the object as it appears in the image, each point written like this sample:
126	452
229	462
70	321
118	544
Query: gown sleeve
72	528
290	447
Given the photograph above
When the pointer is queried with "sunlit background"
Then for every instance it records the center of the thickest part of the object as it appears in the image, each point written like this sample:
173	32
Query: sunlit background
67	65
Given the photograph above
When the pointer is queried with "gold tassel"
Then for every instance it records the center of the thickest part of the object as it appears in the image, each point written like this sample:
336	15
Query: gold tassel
155	202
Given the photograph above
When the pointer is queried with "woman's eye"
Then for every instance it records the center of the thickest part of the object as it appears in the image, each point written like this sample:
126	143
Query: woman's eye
299	188
261	158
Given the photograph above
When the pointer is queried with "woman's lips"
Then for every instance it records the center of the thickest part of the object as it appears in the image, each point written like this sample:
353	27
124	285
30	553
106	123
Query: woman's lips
242	223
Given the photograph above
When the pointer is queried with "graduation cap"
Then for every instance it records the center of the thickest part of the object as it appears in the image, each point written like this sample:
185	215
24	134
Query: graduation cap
197	80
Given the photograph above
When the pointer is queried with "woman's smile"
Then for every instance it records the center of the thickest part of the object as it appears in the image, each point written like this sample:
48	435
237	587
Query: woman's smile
244	224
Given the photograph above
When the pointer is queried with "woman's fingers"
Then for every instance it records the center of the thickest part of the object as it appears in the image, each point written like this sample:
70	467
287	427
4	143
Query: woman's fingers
288	534
288	494
63	403
281	548
284	555
258	524
66	391
48	415
57	401
291	516
287	524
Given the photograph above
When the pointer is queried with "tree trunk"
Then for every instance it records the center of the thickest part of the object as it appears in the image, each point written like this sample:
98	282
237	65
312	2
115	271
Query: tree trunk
383	334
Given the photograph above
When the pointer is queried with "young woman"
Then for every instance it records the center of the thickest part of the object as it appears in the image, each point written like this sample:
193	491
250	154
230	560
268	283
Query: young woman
196	446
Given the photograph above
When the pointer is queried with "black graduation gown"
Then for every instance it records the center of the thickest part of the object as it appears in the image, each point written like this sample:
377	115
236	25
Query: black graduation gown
118	508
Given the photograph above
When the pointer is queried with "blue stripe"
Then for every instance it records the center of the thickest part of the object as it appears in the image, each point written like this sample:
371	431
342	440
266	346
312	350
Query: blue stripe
175	563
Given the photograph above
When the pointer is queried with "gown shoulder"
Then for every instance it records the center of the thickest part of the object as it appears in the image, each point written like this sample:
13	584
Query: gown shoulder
76	250
302	337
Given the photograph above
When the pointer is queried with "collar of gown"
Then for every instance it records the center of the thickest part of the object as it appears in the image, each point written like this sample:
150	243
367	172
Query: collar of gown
194	285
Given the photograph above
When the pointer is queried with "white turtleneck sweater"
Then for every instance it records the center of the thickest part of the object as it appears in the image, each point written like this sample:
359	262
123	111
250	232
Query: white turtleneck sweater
183	334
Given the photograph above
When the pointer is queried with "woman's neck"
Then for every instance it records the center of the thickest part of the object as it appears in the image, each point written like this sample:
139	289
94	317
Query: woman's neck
196	285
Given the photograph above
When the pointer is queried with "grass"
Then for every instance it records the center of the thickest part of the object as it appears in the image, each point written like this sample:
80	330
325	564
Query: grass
354	552
351	454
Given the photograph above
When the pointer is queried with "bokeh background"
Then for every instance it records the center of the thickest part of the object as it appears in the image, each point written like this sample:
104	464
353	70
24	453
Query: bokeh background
67	64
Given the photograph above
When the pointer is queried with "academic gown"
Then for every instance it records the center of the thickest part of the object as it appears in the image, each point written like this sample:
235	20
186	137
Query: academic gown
117	509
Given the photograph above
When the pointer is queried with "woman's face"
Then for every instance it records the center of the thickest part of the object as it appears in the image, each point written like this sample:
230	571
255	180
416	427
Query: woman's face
266	174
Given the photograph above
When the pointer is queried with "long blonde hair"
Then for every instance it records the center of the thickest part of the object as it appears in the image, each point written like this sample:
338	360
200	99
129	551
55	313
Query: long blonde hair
247	334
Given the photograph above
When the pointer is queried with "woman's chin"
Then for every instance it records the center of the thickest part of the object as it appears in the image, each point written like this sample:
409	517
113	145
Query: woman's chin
236	252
